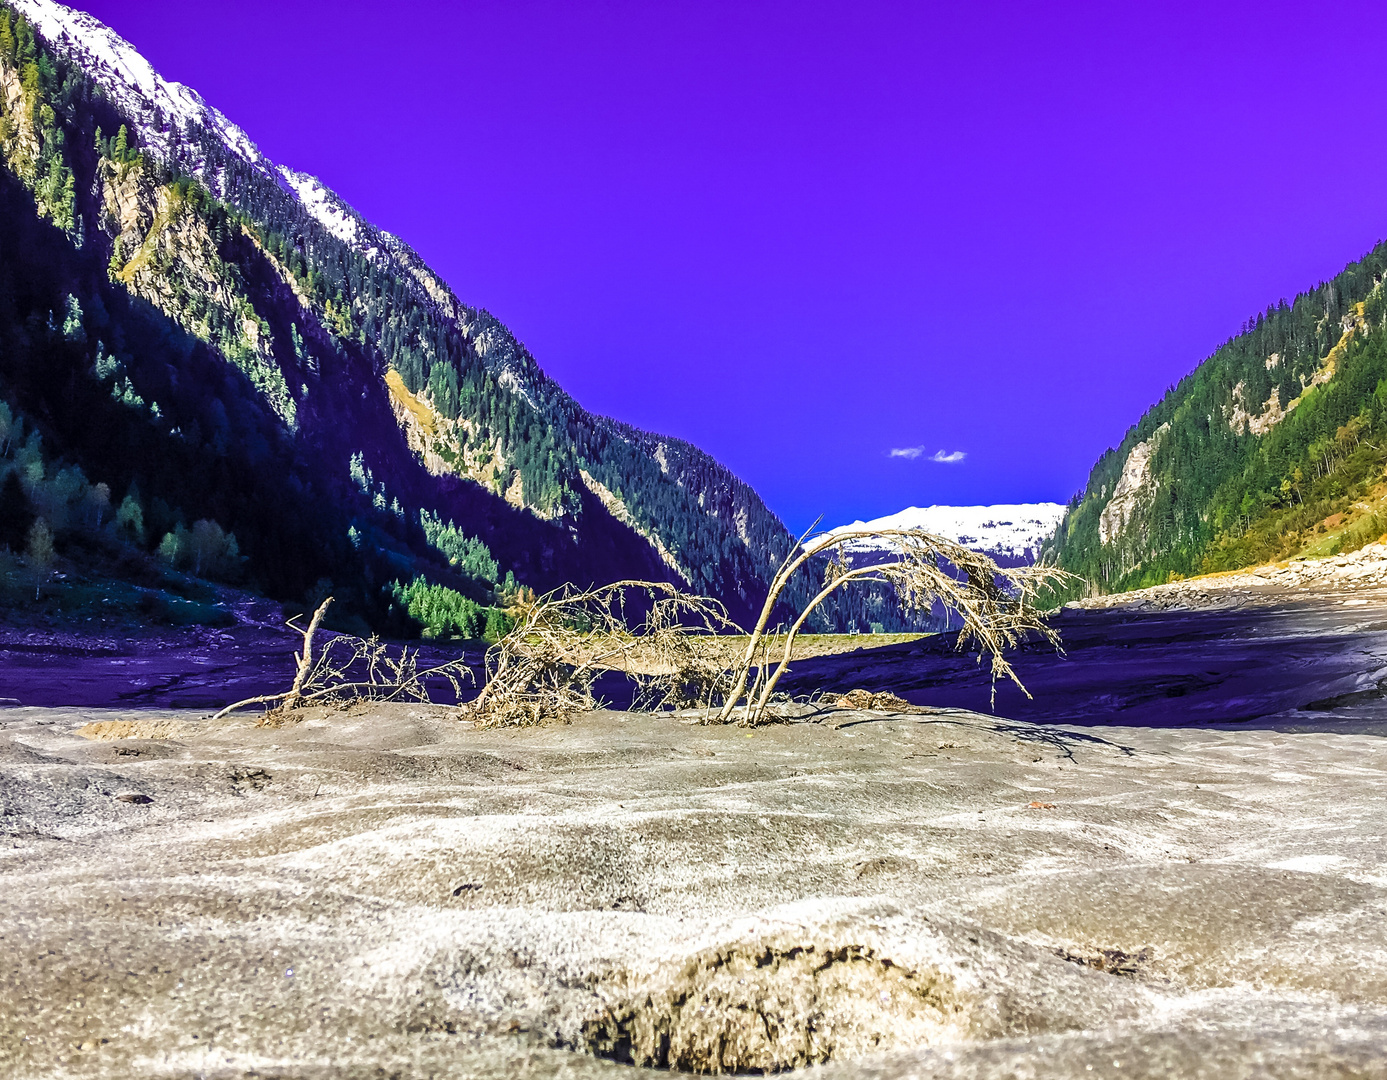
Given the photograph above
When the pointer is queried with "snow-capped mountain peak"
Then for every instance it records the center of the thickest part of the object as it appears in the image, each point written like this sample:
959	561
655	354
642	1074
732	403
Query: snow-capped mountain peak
156	103
171	121
1012	531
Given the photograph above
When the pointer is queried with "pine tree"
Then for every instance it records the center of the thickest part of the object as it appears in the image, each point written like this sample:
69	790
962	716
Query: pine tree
38	553
16	513
25	51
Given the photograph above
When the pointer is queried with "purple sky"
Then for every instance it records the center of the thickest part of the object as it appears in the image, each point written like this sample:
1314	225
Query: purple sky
803	235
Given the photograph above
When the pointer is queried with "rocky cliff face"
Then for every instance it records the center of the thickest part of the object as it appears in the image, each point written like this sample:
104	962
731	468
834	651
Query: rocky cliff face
1134	490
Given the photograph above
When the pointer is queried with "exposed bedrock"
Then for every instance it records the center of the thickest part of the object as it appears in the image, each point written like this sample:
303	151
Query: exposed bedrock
385	892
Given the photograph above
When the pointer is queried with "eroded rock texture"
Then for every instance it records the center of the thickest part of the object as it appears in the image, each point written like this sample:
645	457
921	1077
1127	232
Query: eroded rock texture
389	893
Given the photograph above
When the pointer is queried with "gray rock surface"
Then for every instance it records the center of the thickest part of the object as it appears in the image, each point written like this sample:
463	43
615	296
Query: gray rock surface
387	892
1275	583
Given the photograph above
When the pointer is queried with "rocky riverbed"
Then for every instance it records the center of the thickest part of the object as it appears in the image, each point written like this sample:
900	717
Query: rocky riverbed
1277	583
389	892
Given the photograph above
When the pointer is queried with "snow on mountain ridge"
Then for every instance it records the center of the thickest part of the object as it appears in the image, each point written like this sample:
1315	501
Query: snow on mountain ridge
1012	530
133	82
173	124
324	204
164	115
163	111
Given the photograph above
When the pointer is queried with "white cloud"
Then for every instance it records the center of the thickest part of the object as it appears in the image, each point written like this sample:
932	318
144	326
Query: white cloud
943	457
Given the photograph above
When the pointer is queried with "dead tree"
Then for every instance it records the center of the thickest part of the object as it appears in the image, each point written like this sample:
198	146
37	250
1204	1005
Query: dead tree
681	652
305	658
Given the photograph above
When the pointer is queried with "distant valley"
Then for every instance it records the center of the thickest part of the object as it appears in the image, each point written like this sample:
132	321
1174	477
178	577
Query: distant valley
214	371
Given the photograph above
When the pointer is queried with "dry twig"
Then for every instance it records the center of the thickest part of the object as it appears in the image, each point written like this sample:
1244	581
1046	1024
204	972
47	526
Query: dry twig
544	669
349	668
997	604
675	647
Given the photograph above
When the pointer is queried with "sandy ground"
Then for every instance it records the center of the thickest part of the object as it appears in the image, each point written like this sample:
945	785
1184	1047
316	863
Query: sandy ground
389	893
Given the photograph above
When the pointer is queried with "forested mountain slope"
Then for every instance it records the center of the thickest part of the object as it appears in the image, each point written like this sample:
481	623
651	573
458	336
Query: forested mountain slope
1272	447
211	338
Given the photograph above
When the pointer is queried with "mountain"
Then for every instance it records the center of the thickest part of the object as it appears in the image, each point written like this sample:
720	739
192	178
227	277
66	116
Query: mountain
257	379
1013	534
1274	446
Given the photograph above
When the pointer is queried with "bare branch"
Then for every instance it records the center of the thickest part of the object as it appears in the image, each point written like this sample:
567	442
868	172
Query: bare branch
545	668
350	668
997	604
305	658
677	648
